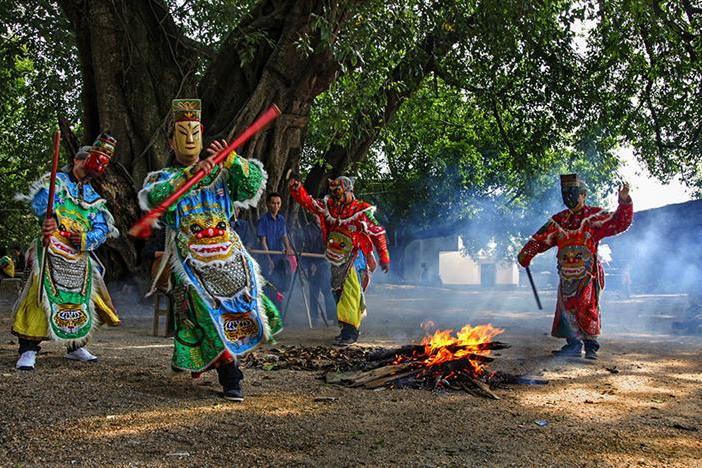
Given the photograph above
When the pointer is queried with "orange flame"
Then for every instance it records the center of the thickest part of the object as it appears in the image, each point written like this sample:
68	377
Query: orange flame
442	346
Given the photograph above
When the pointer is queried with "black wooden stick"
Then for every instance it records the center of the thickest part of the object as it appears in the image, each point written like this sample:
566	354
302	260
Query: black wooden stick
533	289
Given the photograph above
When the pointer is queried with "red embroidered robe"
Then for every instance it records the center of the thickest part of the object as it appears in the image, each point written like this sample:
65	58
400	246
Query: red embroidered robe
346	228
577	236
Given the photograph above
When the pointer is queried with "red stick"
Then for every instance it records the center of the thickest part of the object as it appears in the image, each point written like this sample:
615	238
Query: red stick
52	181
142	228
49	211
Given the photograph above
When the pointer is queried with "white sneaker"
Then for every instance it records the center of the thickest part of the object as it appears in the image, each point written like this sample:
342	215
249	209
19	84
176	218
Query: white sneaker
27	360
81	354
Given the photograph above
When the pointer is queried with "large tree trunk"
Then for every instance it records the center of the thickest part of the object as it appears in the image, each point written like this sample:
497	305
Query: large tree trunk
134	60
278	73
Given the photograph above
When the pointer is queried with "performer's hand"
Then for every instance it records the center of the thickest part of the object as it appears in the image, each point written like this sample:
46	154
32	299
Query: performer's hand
48	227
216	146
523	261
385	267
295	184
624	192
289	251
206	165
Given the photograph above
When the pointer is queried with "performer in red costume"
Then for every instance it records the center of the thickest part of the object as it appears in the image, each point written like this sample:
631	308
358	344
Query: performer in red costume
577	232
350	231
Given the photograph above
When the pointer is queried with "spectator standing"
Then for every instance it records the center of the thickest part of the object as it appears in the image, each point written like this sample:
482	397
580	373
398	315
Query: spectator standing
272	232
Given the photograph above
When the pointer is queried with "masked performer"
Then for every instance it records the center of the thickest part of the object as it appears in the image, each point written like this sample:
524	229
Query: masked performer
577	232
65	296
350	231
215	283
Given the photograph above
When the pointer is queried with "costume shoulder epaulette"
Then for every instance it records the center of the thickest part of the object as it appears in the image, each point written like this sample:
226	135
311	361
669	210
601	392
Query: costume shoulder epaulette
89	195
361	205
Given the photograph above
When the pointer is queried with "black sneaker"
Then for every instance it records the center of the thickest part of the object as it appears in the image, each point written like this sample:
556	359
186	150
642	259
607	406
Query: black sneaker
234	394
591	354
347	341
570	350
348	336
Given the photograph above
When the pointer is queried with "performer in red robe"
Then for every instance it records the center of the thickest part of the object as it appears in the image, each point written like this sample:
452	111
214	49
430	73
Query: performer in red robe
350	232
577	232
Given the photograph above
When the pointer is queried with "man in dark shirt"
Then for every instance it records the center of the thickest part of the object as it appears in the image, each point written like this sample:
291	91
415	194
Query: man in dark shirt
273	234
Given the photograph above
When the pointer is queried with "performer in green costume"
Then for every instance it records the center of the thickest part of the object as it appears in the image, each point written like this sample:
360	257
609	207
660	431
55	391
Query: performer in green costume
215	284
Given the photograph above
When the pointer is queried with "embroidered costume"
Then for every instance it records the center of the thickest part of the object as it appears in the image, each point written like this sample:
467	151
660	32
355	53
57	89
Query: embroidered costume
350	231
577	235
215	284
70	298
7	267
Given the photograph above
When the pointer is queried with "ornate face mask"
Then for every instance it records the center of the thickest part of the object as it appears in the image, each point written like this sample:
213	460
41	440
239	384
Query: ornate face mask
209	237
187	141
341	189
187	134
570	190
570	196
100	155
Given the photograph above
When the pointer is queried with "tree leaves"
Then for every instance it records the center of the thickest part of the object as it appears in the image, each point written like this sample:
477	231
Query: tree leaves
472	133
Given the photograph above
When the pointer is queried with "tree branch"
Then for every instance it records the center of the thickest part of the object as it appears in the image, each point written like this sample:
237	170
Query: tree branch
686	37
410	71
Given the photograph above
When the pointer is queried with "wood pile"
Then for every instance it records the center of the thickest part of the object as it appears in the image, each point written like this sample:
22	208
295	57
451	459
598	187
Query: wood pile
400	367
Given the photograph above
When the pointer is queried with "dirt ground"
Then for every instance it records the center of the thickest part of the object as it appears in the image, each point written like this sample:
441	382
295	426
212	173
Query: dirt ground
129	409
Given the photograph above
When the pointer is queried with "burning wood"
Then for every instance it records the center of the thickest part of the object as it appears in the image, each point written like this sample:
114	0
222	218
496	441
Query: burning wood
442	361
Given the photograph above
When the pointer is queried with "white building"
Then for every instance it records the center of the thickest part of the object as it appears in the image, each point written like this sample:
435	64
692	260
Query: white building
440	259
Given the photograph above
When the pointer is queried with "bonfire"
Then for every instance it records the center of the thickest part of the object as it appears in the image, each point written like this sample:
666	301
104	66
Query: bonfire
442	361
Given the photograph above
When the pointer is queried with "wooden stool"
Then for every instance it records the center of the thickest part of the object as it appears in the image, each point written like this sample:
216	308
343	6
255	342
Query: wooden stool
158	312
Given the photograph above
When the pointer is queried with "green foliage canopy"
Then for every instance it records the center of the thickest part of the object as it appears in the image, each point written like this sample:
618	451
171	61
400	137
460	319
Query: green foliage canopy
525	91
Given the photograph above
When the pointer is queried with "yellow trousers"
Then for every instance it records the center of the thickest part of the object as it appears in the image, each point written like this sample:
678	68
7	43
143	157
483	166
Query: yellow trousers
30	320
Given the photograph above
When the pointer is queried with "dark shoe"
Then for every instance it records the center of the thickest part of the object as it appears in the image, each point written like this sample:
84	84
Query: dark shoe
230	377
233	394
591	347
348	336
347	341
572	349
